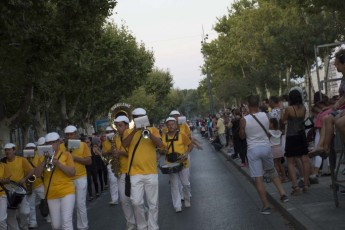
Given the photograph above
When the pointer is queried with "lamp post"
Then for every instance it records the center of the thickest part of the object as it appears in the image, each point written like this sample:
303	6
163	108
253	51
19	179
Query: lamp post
208	75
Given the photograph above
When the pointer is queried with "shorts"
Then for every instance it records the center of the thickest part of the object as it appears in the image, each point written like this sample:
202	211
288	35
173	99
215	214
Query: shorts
260	159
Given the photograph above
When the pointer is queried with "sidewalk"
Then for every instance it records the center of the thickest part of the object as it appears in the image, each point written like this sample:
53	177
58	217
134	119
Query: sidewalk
312	210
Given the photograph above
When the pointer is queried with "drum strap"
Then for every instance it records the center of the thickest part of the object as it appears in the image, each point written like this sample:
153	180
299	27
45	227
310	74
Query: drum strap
175	138
135	149
51	175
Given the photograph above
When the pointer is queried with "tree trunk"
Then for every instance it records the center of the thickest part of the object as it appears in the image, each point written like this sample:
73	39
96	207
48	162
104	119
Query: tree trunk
5	134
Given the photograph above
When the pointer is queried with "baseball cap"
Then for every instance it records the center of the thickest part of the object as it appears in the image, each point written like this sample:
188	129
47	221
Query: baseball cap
122	119
53	136
70	129
170	119
139	111
41	141
30	145
9	146
109	129
174	112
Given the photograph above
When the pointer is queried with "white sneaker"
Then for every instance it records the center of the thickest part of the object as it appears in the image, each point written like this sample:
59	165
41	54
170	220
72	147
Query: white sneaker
113	202
187	203
178	210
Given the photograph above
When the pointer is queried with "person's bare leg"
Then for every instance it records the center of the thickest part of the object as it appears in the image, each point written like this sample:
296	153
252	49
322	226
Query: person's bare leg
329	132
340	125
260	187
320	148
306	172
292	175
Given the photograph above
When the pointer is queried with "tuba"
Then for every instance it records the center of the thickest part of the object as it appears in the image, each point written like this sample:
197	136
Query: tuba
117	110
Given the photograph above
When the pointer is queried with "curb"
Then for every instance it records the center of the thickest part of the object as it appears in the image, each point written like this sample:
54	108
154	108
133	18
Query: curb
297	223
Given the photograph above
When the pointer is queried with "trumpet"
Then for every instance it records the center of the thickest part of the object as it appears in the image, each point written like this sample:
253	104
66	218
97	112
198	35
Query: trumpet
29	183
49	164
145	133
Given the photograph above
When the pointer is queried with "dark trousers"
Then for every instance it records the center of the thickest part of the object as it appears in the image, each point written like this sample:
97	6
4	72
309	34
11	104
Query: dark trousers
91	171
240	148
102	172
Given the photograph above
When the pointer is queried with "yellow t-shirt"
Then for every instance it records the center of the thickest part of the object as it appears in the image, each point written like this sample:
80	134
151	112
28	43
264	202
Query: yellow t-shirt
106	146
123	159
145	160
180	145
5	172
185	129
83	152
35	161
61	185
20	167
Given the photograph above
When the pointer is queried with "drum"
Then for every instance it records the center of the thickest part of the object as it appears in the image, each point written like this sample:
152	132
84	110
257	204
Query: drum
15	194
171	168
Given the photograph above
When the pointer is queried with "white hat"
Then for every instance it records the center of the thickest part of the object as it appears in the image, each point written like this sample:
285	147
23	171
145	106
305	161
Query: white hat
30	145
174	112
139	111
70	129
122	119
170	119
53	136
109	129
9	146
41	141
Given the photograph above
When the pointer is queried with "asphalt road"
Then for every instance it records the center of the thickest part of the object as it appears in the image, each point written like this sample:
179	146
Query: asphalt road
222	198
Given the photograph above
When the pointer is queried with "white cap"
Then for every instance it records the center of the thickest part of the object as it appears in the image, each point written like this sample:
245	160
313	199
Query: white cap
30	145
109	129
53	136
139	111
9	146
170	119
70	129
122	119
174	112
41	141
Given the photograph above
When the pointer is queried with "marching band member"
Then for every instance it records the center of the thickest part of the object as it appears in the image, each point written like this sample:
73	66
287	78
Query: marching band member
37	188
21	170
112	179
178	145
5	174
81	157
143	173
61	194
121	123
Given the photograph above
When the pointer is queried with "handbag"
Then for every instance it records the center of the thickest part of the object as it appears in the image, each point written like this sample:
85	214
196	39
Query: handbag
128	178
43	206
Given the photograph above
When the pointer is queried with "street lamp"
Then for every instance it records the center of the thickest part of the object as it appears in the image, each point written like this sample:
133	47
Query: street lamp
208	75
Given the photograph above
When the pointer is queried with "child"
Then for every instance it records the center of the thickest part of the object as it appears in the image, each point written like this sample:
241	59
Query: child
277	150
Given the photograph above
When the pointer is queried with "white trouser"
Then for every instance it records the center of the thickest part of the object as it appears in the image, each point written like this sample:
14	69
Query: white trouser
126	203
23	214
3	212
37	192
183	178
80	185
148	185
61	212
113	187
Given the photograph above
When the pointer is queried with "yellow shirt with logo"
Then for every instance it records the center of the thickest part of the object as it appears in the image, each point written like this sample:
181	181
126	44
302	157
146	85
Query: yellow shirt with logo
145	160
180	145
61	185
20	167
35	161
5	173
123	159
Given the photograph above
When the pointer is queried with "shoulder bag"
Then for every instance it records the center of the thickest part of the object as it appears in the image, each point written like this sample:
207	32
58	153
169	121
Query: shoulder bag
43	206
128	178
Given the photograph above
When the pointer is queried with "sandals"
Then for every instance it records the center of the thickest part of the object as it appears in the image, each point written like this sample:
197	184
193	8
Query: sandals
295	190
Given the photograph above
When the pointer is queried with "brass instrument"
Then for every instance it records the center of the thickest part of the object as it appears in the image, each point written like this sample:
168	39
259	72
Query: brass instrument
49	164
29	155
145	133
29	183
117	110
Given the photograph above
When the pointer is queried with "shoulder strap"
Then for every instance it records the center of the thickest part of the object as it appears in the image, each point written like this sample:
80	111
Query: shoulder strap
257	120
135	149
51	175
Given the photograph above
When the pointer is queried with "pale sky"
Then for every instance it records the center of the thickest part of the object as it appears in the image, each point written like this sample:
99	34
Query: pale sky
173	30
